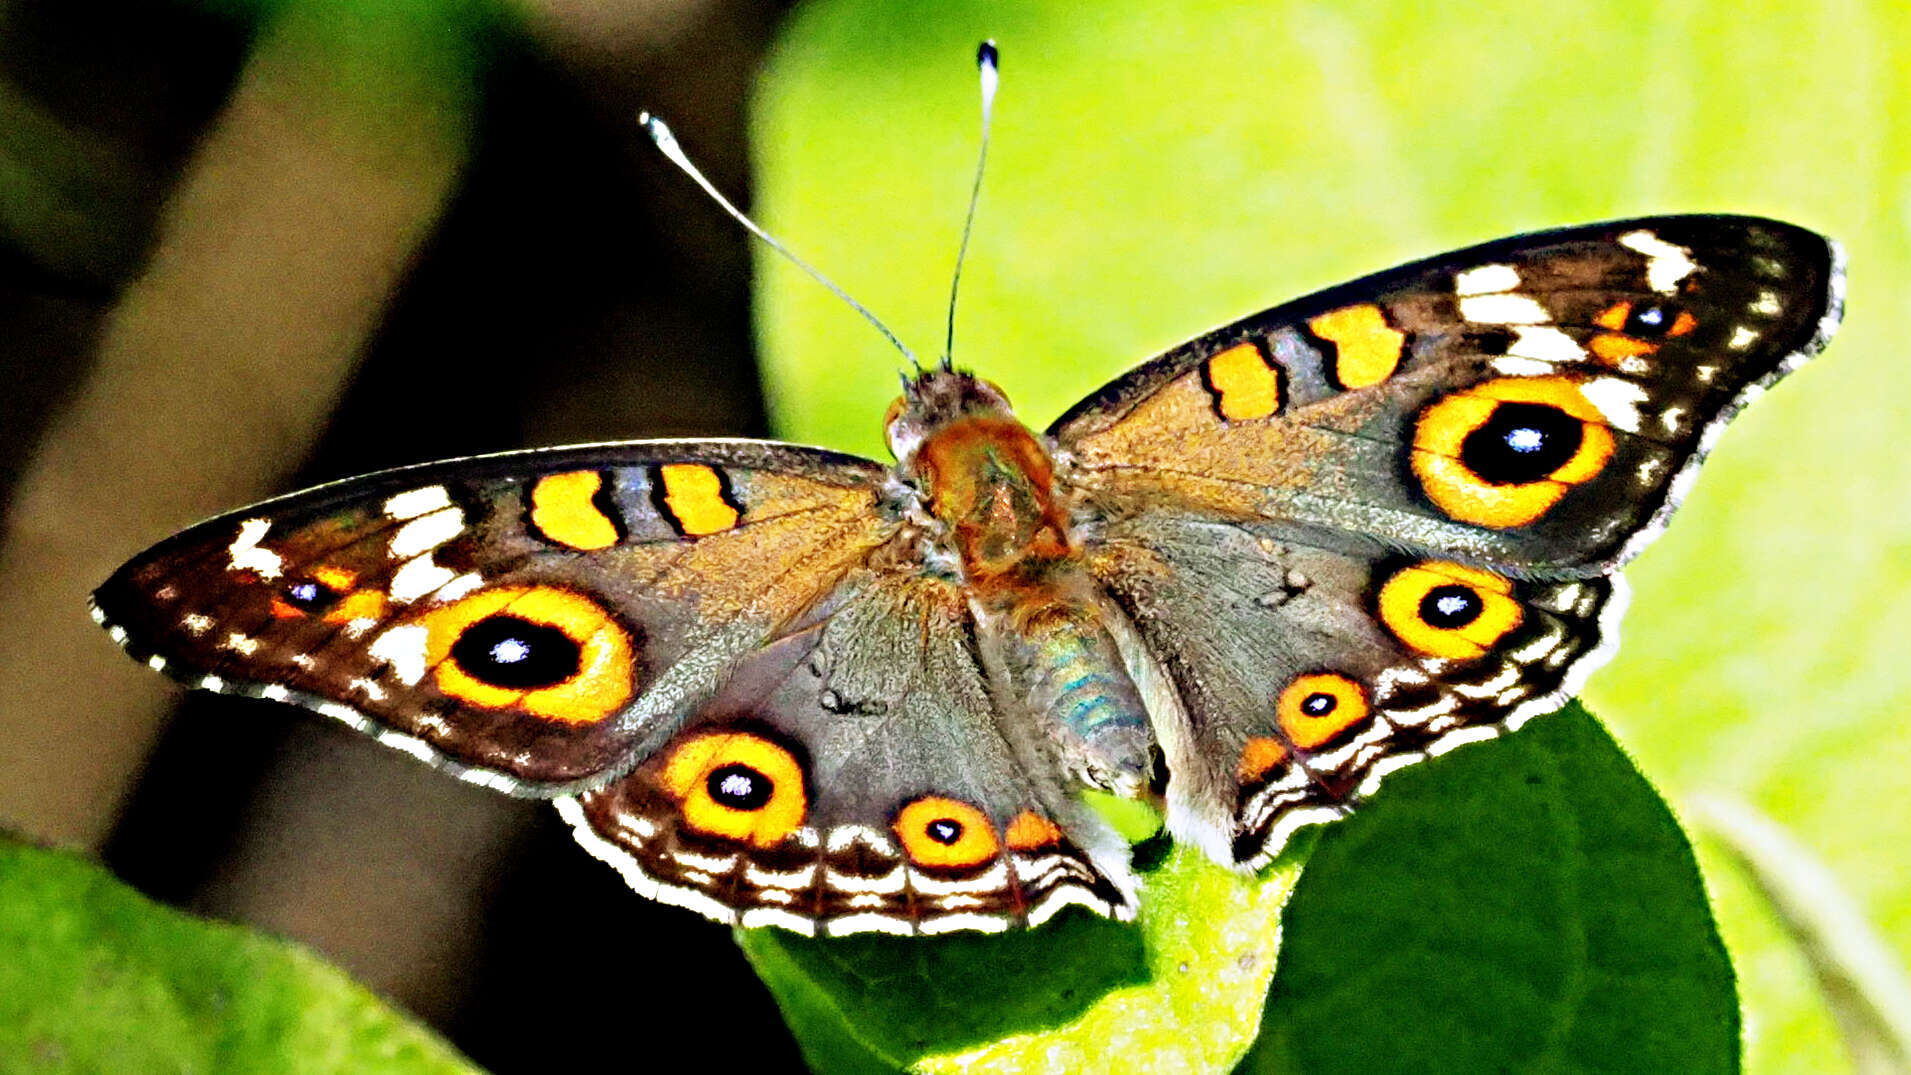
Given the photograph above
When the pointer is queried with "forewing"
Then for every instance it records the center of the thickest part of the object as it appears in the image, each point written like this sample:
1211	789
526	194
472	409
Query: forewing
530	621
1538	402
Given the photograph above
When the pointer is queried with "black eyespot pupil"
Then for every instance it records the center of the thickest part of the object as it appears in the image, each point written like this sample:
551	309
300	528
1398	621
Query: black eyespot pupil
1449	607
739	787
1319	704
944	830
514	653
310	595
1521	443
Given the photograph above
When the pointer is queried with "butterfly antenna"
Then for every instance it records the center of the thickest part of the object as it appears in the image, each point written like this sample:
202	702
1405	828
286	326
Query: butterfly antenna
667	143
987	62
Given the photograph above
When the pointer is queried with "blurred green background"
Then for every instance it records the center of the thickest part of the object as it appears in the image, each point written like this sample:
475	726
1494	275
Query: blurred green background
248	246
1159	169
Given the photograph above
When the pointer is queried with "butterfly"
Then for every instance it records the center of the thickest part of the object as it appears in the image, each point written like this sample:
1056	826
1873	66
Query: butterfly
1244	582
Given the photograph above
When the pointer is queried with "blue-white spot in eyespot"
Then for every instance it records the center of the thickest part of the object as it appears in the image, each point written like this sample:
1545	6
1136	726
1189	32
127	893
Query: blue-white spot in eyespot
510	651
1525	439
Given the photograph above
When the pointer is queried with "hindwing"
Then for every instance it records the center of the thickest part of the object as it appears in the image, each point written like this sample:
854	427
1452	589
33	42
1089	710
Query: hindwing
861	774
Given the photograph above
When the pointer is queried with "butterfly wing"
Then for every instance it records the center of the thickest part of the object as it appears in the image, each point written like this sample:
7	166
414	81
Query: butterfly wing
1303	673
532	621
855	776
1540	402
1381	521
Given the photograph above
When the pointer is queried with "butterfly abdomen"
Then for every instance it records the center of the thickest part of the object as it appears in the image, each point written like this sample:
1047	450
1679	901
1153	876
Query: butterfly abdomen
1059	659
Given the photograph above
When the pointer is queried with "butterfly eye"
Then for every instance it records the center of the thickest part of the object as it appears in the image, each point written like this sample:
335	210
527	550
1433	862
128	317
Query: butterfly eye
894	412
1646	320
311	595
512	652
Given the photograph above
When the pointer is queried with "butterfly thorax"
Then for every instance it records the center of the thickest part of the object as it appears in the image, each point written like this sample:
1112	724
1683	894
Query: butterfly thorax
983	476
990	484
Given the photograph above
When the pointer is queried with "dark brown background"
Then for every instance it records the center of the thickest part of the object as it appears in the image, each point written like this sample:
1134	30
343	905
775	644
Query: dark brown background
559	282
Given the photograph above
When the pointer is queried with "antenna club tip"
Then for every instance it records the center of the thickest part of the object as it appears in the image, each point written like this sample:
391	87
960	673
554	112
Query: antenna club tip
987	55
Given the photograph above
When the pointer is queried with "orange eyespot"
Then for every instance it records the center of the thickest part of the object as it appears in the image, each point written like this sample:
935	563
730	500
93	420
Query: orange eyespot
1029	830
1503	452
737	786
1319	708
938	832
1614	317
1260	756
1448	610
552	653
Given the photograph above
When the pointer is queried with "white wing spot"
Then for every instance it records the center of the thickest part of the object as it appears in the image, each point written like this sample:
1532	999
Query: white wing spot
1546	344
404	649
418	578
410	505
1503	310
426	532
1486	280
1618	400
1742	338
248	556
1666	264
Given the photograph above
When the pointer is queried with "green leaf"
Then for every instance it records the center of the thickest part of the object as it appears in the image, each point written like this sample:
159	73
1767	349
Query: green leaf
95	977
1526	905
1159	169
1176	992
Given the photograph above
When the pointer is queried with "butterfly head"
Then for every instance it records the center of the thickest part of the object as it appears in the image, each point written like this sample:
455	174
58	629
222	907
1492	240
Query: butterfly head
935	399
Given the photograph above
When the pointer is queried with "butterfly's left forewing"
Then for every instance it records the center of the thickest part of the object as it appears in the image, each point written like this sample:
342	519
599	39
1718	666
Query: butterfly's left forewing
531	621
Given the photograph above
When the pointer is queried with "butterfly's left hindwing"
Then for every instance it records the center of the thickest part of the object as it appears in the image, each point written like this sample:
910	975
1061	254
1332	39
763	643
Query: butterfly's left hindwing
531	621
